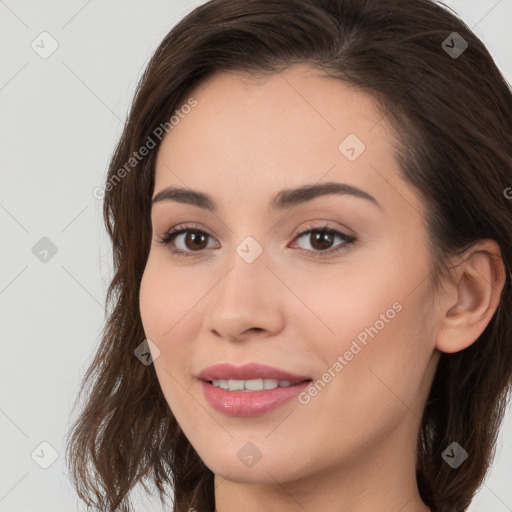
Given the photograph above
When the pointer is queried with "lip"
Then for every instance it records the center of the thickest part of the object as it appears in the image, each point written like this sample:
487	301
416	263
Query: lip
247	372
249	403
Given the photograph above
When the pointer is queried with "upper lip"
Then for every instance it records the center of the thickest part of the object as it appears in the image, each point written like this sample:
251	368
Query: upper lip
247	371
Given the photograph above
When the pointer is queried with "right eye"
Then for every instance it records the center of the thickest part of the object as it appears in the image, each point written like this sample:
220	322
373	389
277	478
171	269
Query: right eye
194	240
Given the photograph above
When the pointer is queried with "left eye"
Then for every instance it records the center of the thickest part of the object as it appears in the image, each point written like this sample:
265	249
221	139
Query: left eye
194	240
324	237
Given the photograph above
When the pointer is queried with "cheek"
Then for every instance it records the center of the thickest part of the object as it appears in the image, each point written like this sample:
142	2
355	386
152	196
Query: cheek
165	297
379	320
384	360
166	302
163	310
150	296
346	303
158	313
369	329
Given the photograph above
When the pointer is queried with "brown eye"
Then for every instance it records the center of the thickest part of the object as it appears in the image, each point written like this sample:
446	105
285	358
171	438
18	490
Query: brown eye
321	240
187	240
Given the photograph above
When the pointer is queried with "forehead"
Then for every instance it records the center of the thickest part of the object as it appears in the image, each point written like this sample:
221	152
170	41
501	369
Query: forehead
251	136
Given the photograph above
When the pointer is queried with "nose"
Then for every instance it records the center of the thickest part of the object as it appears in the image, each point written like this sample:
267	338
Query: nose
246	299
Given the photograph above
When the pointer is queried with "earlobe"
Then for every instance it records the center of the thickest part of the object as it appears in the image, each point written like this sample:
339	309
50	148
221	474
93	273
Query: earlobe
477	287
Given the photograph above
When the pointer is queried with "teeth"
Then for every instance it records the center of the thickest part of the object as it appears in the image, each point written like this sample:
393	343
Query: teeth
250	385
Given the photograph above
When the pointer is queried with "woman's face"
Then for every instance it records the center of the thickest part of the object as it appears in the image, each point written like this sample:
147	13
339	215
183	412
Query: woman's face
349	309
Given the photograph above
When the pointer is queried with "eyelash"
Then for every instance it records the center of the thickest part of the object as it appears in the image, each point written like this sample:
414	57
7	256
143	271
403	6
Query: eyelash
170	235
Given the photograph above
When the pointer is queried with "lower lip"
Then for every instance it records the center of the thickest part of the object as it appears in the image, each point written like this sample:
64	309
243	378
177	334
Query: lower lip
249	403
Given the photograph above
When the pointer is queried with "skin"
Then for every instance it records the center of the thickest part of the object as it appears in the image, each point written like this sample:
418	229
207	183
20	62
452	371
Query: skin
352	447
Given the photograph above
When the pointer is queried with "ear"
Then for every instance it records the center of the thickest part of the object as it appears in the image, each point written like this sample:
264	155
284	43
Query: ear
472	297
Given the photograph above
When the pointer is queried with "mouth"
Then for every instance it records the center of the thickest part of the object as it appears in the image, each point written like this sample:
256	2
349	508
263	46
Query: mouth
249	390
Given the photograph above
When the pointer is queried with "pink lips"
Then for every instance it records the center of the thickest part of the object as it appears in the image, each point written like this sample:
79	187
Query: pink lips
249	403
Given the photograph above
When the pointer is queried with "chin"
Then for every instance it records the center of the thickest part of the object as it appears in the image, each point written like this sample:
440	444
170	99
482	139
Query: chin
265	471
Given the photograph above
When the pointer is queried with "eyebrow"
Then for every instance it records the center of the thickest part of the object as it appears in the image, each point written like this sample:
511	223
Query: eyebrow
284	199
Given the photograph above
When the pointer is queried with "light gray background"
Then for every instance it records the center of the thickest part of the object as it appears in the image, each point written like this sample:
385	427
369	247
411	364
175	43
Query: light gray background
61	118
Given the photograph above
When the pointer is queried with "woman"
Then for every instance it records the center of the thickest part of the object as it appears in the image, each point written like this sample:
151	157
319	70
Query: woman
312	242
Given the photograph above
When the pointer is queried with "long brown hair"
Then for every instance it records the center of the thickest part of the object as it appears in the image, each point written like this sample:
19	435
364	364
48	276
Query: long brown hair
452	118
